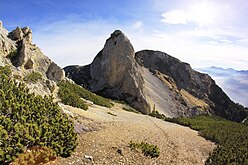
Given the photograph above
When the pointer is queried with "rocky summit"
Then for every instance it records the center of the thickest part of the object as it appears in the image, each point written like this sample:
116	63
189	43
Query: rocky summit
115	73
150	81
25	59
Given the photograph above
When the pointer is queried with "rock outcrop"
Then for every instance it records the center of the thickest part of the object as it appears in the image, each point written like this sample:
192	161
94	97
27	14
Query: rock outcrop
29	56
24	57
6	44
119	75
55	73
21	34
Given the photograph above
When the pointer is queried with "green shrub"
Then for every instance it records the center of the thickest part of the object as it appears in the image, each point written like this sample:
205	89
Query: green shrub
27	120
5	71
33	77
162	116
80	92
146	148
71	98
231	138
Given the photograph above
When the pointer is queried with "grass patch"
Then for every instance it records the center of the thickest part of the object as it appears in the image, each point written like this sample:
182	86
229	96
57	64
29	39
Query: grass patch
33	77
78	92
146	148
130	109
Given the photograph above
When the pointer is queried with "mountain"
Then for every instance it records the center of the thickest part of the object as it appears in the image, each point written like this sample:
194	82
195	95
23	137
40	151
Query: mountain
152	80
233	82
42	114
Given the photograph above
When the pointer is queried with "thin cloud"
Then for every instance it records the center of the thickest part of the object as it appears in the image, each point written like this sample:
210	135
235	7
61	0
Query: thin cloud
137	25
175	17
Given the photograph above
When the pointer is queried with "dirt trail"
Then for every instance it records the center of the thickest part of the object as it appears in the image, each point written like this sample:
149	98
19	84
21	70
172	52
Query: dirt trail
107	133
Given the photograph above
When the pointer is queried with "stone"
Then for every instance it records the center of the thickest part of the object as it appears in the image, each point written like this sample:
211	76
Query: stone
55	73
88	157
188	81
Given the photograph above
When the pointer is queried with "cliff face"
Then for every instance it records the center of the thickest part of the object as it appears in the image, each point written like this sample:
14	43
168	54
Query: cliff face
199	85
114	72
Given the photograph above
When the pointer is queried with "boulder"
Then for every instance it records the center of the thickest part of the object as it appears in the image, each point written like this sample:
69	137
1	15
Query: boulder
55	73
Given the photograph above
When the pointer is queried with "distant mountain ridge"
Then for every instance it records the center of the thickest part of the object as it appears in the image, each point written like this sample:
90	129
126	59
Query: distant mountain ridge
153	80
233	82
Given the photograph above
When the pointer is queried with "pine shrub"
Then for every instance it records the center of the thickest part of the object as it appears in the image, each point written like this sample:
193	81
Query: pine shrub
27	120
78	92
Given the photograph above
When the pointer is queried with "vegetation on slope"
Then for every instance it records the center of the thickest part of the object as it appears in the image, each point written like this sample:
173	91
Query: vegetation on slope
71	94
27	120
146	148
33	77
231	137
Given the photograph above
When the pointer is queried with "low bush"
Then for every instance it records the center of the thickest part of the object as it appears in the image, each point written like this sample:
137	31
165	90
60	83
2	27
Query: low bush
28	120
35	155
146	148
71	98
130	109
231	138
79	92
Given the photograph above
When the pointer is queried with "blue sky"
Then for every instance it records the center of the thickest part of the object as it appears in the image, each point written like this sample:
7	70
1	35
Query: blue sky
200	32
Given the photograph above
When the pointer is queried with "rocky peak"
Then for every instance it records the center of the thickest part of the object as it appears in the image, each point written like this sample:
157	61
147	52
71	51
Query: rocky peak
115	59
16	49
21	34
115	72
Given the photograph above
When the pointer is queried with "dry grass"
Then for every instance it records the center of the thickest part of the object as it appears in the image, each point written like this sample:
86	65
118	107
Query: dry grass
193	100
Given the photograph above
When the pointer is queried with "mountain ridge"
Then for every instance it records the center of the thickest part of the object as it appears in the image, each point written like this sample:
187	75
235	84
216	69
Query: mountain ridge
208	98
233	82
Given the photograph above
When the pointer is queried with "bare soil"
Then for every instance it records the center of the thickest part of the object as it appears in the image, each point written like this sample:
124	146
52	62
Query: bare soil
104	135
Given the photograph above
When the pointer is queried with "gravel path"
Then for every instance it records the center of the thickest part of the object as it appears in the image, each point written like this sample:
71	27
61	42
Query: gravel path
110	131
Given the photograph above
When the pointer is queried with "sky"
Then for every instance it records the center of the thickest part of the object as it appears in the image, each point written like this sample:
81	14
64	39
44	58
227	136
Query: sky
200	32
